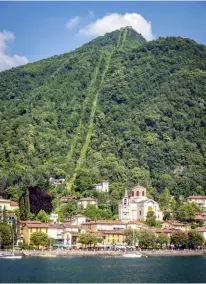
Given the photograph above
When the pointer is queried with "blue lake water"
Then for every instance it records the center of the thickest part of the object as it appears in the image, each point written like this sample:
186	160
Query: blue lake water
104	269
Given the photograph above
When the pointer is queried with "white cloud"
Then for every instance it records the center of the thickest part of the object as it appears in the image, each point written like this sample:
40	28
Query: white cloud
7	61
116	21
73	22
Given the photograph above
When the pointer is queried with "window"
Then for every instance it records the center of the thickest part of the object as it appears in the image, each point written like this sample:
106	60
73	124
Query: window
140	212
142	193
132	193
125	201
137	193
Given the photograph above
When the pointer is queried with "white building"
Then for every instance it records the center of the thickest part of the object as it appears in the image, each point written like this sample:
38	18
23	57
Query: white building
53	217
200	200
79	219
138	205
55	231
84	202
102	187
8	204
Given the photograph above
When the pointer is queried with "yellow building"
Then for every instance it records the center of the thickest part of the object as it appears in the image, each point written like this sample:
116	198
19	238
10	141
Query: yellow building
29	227
112	237
176	225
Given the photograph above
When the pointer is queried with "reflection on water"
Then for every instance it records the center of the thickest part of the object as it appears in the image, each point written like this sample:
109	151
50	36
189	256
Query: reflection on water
97	269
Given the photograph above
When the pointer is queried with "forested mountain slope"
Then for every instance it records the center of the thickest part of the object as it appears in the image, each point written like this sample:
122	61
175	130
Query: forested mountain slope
118	108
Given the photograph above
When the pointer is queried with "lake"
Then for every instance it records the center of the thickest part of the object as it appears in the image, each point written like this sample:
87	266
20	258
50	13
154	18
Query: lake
104	269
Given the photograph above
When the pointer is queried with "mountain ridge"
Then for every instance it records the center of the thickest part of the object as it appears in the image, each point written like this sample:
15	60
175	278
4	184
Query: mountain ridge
148	118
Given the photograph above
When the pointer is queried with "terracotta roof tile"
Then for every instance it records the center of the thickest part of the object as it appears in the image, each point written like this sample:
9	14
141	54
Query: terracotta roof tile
109	222
197	197
13	203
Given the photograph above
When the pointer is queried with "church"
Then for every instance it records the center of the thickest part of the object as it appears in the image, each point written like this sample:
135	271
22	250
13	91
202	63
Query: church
137	205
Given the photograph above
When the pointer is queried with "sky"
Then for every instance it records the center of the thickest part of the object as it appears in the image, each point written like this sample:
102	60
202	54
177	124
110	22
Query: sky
30	31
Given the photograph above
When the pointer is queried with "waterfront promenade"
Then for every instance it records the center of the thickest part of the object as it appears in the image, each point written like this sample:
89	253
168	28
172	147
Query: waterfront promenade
65	253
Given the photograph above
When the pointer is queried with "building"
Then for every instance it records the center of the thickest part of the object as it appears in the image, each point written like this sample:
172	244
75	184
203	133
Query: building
136	225
165	231
79	219
102	187
200	200
200	218
112	237
57	181
104	225
28	228
8	204
138	205
64	200
10	218
176	225
202	231
83	203
53	217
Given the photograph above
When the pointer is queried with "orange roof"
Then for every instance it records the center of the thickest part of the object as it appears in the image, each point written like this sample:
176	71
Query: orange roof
69	225
109	222
13	203
41	225
44	225
197	197
202	229
113	232
175	223
29	222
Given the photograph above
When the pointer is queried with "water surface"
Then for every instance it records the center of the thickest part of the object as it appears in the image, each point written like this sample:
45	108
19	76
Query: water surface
104	269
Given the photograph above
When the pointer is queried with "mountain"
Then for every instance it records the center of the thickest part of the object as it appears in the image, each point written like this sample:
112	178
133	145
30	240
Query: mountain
117	108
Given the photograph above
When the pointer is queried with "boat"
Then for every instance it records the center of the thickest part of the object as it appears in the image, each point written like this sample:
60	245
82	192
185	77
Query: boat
11	256
48	255
132	255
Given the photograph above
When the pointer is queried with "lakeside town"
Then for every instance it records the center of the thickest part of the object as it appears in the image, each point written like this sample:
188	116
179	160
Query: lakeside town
140	225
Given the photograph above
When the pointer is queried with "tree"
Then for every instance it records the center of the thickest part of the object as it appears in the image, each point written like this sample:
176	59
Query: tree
39	239
131	236
14	230
162	239
39	200
27	203
89	239
69	210
5	220
179	239
24	206
43	217
150	218
195	239
164	199
146	239
5	234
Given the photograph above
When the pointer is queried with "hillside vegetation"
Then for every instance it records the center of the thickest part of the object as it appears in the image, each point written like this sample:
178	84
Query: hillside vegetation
118	108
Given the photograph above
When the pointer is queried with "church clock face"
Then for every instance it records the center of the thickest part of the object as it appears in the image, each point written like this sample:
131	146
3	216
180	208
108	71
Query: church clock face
149	209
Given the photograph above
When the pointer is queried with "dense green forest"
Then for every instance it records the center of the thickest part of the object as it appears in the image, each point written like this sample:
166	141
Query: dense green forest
118	108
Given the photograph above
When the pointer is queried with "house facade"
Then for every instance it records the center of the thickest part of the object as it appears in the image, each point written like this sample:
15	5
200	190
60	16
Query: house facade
102	187
8	204
138	205
176	225
200	200
104	225
83	203
10	218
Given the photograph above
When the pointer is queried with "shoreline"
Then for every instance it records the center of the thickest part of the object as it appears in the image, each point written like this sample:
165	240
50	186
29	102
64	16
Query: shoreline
76	253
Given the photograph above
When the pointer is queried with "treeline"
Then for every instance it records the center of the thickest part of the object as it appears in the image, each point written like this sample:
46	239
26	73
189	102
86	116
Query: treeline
149	126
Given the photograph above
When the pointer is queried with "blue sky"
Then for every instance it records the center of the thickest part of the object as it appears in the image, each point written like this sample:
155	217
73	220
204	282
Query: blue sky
37	30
